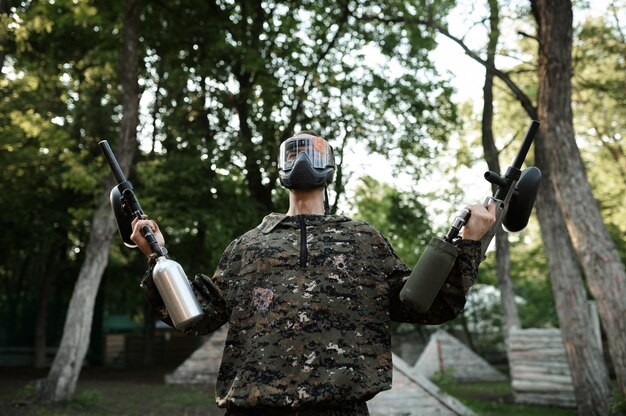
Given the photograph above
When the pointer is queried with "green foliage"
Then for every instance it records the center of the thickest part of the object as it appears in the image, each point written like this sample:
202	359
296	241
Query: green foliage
444	379
222	84
278	69
617	405
57	100
400	216
88	398
529	273
25	393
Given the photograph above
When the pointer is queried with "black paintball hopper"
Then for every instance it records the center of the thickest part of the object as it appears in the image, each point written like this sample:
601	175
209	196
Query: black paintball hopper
124	225
522	200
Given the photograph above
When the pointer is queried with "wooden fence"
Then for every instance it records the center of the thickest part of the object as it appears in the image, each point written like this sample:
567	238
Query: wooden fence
539	369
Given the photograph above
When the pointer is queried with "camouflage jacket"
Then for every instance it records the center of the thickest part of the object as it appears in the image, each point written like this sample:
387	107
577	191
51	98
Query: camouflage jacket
309	300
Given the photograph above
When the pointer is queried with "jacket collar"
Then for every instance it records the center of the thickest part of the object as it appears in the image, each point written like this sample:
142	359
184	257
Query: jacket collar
272	220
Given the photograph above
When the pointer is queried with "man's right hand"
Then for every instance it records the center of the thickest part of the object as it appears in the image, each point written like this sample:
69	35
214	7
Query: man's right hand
138	238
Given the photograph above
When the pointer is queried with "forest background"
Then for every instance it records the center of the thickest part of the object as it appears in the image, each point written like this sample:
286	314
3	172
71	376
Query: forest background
197	97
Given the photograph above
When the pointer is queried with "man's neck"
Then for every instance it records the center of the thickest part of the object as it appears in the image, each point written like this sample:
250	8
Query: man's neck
309	202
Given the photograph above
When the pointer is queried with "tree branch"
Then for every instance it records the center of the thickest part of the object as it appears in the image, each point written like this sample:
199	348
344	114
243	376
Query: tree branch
526	35
307	84
517	92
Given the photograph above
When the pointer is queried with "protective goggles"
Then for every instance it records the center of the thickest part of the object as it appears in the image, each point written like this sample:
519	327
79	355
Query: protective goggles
317	149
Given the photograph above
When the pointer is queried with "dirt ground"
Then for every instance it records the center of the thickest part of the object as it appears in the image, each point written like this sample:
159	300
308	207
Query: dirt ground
108	391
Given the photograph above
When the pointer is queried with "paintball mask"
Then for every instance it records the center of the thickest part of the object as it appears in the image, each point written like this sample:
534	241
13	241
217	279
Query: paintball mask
306	161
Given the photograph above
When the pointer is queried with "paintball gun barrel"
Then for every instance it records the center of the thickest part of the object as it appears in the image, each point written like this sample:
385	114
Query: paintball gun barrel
514	197
169	277
125	204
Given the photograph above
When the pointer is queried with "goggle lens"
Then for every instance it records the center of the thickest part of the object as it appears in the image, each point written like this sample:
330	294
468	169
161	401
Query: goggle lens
317	149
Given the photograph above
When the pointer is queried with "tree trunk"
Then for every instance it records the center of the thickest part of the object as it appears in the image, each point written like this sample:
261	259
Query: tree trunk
41	325
199	247
254	178
586	361
467	332
507	291
17	293
149	332
596	251
253	17
339	182
61	381
160	70
503	269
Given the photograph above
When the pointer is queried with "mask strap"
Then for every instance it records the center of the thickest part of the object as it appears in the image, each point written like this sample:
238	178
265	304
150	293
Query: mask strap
326	204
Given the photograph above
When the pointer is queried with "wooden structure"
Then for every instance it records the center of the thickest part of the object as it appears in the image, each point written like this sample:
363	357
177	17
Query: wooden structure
539	368
203	365
448	357
412	394
170	348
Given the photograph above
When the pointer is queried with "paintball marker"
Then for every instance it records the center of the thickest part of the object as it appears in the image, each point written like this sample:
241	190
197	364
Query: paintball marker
169	277
513	198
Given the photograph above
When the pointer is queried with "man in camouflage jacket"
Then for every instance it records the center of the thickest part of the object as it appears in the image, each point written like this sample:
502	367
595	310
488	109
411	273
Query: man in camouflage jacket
309	299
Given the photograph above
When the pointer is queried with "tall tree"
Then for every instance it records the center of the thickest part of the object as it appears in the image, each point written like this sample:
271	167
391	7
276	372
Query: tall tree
596	251
41	325
264	70
40	113
503	262
599	64
60	383
584	356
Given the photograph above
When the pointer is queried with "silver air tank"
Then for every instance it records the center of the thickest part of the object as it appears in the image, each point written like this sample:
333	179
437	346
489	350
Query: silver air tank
176	292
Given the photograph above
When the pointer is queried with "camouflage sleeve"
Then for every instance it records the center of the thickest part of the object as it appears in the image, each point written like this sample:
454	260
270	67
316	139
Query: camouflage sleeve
450	300
211	293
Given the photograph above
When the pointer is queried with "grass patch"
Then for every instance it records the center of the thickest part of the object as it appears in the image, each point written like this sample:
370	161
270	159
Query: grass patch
106	397
617	406
189	398
496	399
88	398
